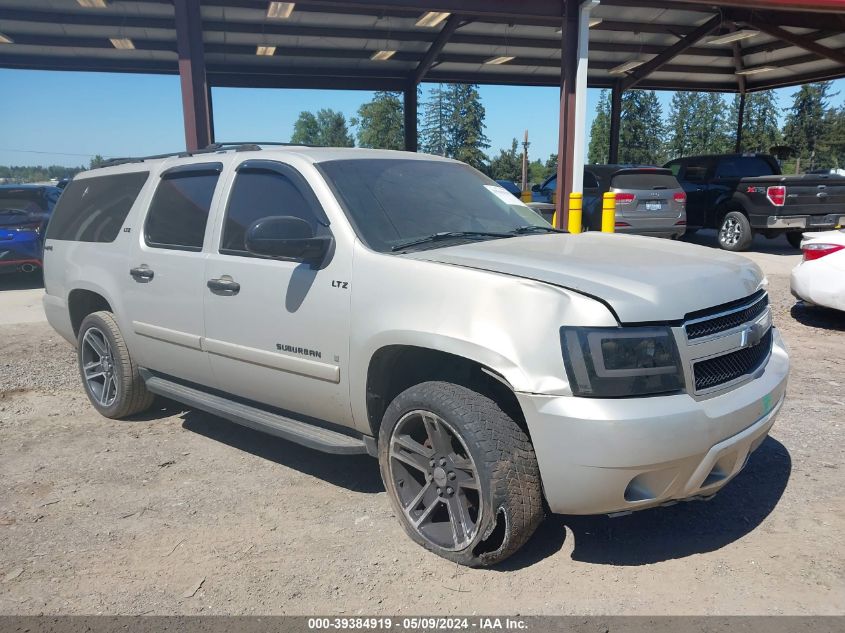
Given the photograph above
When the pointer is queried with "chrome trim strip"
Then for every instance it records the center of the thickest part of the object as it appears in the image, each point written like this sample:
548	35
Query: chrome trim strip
183	339
273	360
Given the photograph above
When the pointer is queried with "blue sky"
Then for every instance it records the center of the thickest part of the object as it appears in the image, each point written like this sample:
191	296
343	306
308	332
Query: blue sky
65	118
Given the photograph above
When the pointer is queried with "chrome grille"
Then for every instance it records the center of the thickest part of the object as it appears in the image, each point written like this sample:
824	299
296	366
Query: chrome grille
727	318
728	367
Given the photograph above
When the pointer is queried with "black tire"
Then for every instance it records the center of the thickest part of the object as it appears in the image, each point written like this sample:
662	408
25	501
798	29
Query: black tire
735	232
794	238
123	392
508	506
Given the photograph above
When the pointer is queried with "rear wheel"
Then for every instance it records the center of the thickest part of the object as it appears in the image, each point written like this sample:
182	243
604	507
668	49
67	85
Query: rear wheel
735	232
109	375
794	239
461	475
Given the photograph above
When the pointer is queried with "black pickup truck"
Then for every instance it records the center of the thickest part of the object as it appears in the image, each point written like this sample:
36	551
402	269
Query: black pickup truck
744	194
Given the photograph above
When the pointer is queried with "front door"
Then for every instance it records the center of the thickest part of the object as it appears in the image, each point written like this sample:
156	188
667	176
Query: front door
165	287
277	332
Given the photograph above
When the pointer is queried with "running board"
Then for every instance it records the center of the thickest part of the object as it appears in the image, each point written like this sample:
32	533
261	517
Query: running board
309	435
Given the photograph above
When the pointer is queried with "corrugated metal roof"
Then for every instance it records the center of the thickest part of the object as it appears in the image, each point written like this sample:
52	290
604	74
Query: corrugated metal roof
328	40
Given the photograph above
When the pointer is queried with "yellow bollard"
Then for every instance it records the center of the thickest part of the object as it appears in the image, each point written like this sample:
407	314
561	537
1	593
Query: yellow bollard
576	200
608	212
526	196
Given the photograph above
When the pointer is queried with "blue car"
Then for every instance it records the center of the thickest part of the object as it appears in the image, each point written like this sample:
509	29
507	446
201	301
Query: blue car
24	211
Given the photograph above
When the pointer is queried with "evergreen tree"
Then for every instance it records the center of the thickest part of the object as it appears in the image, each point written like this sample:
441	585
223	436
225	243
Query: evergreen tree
381	122
466	140
551	165
328	129
831	145
508	164
641	133
680	113
805	120
599	148
435	122
760	129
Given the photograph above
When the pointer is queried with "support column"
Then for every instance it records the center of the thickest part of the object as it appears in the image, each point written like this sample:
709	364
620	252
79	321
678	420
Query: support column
566	136
189	46
579	140
739	123
615	122
410	103
210	116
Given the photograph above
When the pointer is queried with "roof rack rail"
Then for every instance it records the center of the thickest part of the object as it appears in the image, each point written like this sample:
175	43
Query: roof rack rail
210	149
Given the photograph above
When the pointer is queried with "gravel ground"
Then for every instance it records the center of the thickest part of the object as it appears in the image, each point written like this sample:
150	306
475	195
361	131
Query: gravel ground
179	512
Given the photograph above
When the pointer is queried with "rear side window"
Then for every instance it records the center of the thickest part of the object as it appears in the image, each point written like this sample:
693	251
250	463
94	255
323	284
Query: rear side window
742	167
260	193
94	209
644	180
590	181
179	210
695	172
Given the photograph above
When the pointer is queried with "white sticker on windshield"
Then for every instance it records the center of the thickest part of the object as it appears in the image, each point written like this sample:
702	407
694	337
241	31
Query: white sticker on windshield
504	195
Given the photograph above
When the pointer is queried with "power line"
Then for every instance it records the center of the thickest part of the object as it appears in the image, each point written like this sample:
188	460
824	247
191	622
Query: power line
34	151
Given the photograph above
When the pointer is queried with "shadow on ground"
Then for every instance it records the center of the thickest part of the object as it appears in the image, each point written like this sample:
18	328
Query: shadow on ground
21	281
678	531
814	316
358	473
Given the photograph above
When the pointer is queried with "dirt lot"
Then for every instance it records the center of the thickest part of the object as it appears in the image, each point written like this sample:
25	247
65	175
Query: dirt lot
181	512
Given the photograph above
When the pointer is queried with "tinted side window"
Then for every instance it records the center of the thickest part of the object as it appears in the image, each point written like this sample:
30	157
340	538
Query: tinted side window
551	184
695	172
179	210
742	167
259	194
590	181
674	167
94	209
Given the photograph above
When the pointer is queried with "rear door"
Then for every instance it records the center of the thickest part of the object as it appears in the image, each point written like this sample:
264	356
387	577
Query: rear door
693	176
165	286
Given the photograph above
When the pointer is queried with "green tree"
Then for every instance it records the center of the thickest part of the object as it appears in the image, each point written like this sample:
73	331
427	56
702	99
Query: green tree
599	148
538	171
698	124
381	122
466	140
641	130
760	128
508	164
327	129
680	109
434	130
831	146
805	120
96	161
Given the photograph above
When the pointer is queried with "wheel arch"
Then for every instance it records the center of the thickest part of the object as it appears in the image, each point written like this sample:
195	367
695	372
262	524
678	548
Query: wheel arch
396	367
81	302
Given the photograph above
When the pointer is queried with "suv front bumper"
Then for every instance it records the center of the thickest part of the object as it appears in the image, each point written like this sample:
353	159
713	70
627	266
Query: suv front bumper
602	456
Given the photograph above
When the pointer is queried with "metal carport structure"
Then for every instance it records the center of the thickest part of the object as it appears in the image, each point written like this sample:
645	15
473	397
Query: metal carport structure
721	45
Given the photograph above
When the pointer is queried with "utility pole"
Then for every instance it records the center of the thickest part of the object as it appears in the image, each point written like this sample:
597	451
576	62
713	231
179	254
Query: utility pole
525	145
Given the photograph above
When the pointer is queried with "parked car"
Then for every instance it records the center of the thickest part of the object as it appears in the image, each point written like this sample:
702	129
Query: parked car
744	194
406	306
649	201
820	277
511	187
24	211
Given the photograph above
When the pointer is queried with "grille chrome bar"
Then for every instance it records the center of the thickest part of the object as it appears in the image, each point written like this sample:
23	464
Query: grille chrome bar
728	319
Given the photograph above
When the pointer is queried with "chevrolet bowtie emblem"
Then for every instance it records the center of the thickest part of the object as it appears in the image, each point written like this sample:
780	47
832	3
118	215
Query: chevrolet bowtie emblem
751	335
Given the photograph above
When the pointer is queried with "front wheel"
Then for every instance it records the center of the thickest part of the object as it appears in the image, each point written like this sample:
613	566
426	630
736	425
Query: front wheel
735	233
460	473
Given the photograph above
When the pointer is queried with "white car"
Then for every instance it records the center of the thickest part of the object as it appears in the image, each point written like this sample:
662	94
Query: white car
820	277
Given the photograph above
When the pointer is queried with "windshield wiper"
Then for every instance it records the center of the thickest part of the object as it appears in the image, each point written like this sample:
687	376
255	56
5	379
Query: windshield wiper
532	229
446	235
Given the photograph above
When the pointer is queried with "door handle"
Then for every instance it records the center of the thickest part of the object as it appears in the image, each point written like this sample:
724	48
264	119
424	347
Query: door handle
142	274
224	286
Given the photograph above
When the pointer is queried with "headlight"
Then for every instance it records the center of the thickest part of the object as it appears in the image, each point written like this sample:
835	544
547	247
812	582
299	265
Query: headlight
620	362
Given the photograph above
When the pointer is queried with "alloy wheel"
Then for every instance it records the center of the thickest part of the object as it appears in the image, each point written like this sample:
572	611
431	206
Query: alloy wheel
435	479
98	367
731	232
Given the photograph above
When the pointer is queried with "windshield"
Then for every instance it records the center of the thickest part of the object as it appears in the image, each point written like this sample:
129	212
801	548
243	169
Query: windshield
31	200
396	201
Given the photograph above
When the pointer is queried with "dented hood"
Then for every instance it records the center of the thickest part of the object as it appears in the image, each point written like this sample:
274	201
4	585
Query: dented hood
642	279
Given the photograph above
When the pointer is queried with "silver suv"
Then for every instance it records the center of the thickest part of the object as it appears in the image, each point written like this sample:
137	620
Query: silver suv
406	306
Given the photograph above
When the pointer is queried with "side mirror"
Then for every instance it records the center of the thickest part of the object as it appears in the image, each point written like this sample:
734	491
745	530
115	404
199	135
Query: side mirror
535	188
286	237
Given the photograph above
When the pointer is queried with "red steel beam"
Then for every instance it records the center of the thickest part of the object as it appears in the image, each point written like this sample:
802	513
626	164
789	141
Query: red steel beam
189	46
